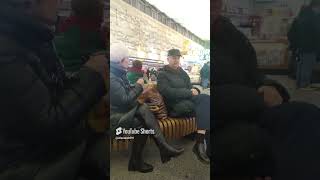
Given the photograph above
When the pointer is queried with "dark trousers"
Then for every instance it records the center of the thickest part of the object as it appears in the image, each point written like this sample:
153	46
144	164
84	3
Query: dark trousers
294	131
89	160
284	139
240	145
202	110
241	149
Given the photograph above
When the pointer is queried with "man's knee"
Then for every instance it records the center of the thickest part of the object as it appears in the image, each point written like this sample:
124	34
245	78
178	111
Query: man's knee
204	96
201	98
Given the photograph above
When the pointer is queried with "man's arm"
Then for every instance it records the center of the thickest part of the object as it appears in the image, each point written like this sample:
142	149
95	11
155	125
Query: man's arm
247	54
24	91
170	92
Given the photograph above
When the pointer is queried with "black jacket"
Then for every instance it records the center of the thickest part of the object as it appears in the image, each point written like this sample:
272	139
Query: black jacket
175	86
304	34
123	99
235	59
41	110
236	104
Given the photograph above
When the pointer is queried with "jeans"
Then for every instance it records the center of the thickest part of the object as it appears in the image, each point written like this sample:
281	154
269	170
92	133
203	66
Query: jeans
304	69
204	83
202	110
294	136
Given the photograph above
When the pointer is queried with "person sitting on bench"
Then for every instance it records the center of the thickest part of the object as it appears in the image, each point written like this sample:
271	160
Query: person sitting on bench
183	100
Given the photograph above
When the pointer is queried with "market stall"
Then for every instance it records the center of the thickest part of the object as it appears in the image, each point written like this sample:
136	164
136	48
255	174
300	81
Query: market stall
265	23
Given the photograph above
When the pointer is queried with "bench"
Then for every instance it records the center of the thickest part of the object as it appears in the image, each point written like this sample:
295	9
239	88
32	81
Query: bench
172	128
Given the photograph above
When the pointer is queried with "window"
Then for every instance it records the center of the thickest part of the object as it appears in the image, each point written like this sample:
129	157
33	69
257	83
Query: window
148	10
142	6
162	18
170	23
188	35
165	20
179	29
154	13
134	3
159	16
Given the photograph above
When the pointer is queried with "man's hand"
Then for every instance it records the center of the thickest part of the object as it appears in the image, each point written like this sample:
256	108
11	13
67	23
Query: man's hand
194	92
270	95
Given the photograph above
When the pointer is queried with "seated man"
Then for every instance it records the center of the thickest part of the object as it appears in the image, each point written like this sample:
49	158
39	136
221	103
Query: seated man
184	100
254	120
241	93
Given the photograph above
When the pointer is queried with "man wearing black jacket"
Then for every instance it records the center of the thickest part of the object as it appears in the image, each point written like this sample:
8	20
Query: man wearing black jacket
240	94
43	133
304	38
257	131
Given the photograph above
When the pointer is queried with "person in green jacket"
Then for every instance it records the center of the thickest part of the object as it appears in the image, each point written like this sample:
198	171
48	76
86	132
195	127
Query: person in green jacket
135	72
81	34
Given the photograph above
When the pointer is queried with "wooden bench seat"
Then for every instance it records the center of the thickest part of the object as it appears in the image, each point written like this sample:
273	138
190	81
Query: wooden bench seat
172	128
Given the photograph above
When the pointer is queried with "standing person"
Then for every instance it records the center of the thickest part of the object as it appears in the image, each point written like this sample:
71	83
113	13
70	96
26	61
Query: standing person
127	112
184	100
135	72
205	75
43	135
148	73
153	74
304	38
81	34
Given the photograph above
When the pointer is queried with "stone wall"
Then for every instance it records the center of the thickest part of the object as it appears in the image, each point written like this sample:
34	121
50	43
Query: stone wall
144	36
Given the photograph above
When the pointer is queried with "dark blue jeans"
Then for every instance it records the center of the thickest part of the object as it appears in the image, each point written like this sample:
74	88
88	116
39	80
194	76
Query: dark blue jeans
304	69
202	110
294	135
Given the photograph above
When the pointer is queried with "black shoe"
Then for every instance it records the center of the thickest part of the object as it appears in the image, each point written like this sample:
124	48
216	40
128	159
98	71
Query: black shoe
167	152
136	162
140	166
200	151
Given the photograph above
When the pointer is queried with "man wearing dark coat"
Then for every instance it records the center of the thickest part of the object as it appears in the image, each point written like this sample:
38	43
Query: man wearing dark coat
183	100
257	131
